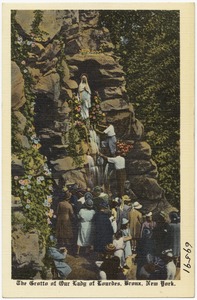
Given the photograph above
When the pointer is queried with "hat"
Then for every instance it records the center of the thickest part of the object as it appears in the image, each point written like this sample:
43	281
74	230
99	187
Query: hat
117	200
104	196
125	221
137	205
84	74
110	248
163	214
168	252
62	249
149	214
68	183
126	198
88	195
174	217
103	204
89	203
97	189
74	187
52	238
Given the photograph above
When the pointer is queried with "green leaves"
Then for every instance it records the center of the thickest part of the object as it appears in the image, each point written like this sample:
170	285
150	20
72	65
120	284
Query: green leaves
34	189
148	45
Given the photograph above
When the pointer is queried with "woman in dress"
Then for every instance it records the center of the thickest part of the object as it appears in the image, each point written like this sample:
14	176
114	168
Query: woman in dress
86	226
65	216
103	229
84	96
126	233
120	243
149	223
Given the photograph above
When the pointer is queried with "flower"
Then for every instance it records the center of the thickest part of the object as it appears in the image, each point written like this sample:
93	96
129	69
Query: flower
29	43
28	201
50	214
49	199
22	187
15	177
27	206
33	45
26	192
29	176
21	182
26	182
47	173
20	40
33	137
23	62
38	146
29	186
25	70
45	203
49	221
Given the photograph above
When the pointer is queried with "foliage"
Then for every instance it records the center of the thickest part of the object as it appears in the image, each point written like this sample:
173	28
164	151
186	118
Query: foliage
34	188
148	45
35	30
96	114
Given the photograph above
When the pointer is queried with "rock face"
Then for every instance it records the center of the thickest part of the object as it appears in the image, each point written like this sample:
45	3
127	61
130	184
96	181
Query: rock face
27	254
17	82
72	43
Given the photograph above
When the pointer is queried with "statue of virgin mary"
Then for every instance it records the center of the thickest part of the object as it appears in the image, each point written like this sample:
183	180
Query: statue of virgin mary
84	96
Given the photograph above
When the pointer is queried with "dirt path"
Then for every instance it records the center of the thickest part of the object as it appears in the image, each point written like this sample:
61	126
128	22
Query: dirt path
84	267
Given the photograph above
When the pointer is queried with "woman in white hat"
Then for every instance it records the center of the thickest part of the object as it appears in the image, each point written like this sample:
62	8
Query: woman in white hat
86	226
126	233
149	223
135	222
120	242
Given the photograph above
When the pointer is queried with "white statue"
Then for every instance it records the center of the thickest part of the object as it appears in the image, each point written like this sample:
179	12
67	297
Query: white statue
84	96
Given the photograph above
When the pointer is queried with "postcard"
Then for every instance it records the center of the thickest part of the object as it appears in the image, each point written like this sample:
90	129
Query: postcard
98	150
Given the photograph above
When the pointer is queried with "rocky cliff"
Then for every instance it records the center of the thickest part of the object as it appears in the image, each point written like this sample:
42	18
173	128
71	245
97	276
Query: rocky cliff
57	47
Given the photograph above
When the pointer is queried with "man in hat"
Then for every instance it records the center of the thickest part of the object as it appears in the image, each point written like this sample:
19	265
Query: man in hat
110	141
135	222
110	268
127	205
98	197
175	235
119	164
161	234
169	262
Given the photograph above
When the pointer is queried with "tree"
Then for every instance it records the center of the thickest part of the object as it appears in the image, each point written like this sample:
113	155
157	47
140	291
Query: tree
148	45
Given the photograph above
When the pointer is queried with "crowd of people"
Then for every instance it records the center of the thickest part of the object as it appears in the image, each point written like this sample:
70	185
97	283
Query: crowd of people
120	234
117	227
